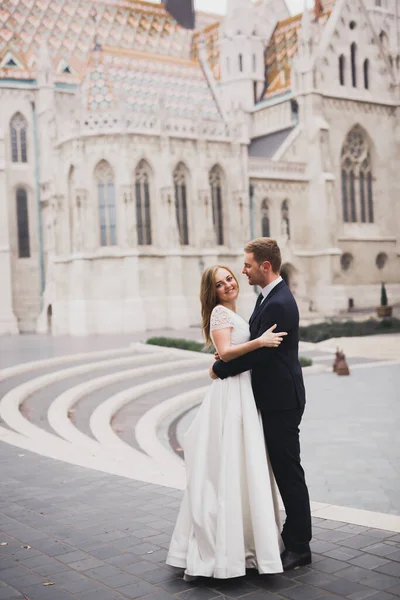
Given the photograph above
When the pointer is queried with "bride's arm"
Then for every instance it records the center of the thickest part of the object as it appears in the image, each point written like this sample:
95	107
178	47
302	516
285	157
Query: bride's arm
227	351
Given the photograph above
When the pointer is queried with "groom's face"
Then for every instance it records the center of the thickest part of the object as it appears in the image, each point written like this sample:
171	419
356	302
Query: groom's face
252	270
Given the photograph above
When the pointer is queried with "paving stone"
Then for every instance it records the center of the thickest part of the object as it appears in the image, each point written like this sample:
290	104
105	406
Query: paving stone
123	559
174	586
380	534
391	568
233	588
137	590
325	524
395	556
302	592
381	596
119	581
68	578
381	549
143	549
395	590
369	561
342	553
71	557
140	568
273	583
158	556
103	572
330	565
316	579
346	588
335	535
331	597
320	546
259	595
100	593
9	593
157	575
373	579
200	593
85	565
359	541
38	592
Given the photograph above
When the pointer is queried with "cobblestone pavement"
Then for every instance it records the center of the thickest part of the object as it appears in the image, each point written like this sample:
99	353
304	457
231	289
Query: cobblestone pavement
71	533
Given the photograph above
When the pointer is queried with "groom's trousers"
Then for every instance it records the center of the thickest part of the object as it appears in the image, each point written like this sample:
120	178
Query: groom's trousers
281	430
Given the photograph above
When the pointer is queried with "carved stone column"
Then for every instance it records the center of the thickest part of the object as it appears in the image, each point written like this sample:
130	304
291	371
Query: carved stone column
127	204
79	210
171	234
8	322
207	239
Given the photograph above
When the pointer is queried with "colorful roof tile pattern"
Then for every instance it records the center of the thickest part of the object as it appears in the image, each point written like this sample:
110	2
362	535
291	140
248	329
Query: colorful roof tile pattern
210	37
141	82
71	28
282	48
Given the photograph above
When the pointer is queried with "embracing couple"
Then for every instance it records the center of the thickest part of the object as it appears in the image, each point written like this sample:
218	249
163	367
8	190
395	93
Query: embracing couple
245	436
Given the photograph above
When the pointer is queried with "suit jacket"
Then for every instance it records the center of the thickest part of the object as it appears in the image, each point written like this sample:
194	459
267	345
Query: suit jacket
276	374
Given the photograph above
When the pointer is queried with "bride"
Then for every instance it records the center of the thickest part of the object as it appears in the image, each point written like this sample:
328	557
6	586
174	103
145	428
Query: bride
229	519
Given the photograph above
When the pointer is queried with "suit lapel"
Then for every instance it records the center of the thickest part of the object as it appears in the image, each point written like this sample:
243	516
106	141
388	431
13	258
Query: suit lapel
262	305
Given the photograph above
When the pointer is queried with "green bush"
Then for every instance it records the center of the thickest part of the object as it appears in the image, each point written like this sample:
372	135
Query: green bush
318	332
305	362
198	347
176	343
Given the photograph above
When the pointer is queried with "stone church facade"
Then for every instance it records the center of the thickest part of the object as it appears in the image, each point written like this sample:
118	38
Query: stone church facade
134	153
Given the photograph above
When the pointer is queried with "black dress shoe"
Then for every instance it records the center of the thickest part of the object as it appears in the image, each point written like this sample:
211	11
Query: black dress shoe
292	560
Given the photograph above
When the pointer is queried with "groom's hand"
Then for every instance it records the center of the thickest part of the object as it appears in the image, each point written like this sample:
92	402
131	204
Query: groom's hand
212	374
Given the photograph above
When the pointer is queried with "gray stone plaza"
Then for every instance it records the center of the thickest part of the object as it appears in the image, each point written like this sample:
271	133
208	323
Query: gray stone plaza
72	532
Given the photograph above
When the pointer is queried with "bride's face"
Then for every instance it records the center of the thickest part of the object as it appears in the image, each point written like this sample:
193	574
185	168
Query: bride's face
226	286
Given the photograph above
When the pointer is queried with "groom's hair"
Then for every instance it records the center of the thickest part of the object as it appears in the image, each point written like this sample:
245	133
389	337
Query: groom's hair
265	249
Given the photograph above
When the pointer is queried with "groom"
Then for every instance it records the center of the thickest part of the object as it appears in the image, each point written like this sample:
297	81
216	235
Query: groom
279	392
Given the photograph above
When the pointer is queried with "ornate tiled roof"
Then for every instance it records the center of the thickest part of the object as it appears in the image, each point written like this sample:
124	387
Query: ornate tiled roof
210	37
281	49
140	81
71	28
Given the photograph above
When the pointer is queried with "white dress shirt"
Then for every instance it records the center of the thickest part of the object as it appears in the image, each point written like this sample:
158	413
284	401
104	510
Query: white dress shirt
268	288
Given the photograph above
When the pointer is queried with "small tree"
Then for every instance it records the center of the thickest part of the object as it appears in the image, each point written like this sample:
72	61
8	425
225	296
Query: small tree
384	298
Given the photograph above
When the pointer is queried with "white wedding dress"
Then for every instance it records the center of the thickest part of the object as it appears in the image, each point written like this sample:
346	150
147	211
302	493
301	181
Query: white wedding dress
229	517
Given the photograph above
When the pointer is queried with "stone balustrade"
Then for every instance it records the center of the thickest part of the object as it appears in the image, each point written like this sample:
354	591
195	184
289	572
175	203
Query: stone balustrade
96	123
274	169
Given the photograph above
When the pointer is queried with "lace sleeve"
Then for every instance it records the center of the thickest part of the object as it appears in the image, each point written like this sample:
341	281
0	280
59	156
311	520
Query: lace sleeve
220	318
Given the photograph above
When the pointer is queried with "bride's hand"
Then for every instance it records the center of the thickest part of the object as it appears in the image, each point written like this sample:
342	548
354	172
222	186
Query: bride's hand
270	339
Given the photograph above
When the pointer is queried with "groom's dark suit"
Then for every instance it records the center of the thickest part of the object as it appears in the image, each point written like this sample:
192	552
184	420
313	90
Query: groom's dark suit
279	393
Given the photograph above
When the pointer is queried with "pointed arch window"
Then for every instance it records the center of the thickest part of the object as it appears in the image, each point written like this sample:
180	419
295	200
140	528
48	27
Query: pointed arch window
342	66
216	185
241	62
142	197
265	224
104	176
181	186
366	74
285	219
22	223
18	130
353	53
357	179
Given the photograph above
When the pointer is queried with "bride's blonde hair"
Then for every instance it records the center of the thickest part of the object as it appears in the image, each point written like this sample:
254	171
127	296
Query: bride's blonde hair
209	299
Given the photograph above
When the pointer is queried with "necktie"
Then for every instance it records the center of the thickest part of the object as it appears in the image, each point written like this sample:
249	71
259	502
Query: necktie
259	300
